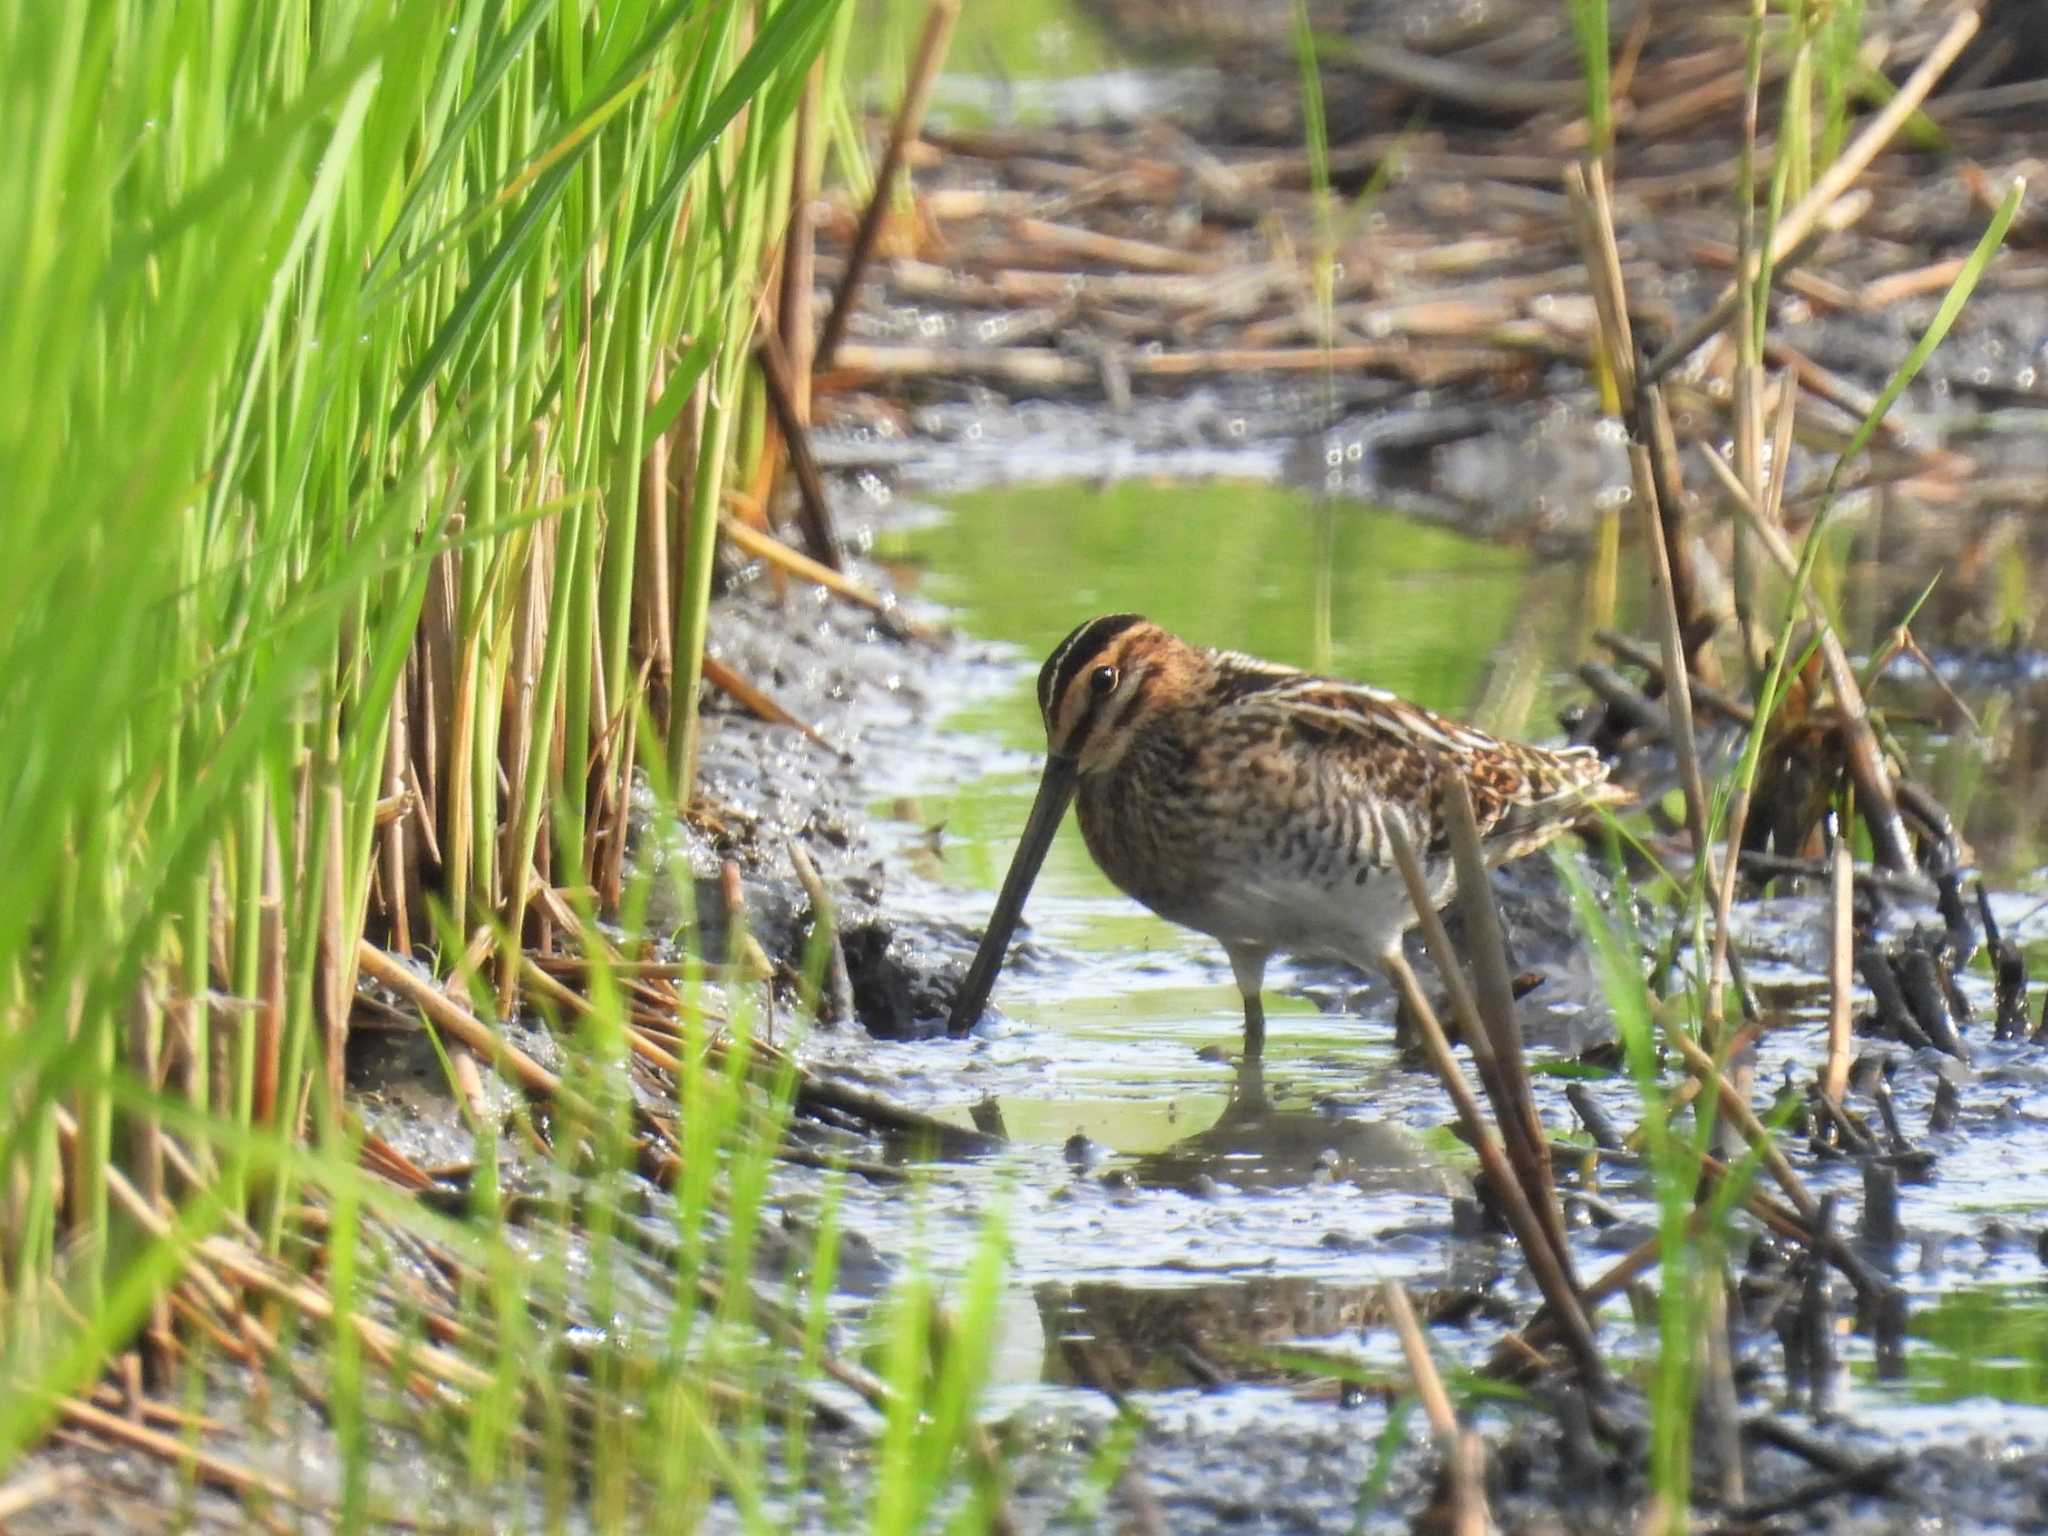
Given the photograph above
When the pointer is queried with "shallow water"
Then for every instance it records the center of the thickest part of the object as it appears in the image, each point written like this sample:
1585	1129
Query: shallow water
1155	1197
1151	1205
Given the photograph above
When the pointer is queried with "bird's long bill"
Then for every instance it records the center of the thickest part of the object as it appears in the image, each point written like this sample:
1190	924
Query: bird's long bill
1055	790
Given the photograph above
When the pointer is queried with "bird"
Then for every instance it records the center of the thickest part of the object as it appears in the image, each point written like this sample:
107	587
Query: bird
1253	802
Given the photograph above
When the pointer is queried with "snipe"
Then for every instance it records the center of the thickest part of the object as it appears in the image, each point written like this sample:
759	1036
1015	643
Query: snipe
1251	802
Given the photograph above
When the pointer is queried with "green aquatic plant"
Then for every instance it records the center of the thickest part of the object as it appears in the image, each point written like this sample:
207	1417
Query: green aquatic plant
371	384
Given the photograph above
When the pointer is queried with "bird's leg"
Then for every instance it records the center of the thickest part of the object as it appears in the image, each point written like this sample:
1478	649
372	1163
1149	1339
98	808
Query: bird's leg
1248	1092
1248	964
1254	1027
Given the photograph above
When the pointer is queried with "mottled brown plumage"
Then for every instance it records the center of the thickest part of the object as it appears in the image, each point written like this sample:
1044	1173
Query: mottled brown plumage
1251	802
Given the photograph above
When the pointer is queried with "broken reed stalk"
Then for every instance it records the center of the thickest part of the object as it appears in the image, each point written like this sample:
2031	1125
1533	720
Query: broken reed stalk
1521	1130
837	1001
765	546
1719	1407
760	704
793	322
931	53
814	1093
1429	1385
1832	184
1651	659
814	509
1470	1515
1642	405
1664	531
1804	1217
1677	675
1574	1327
453	1019
1514	1098
1550	1267
1462	1451
179	1451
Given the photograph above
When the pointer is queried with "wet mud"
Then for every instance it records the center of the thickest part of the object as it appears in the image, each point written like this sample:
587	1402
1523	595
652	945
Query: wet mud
1192	1338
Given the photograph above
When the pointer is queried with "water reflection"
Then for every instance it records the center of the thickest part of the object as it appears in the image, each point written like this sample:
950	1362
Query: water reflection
1123	1338
1257	1144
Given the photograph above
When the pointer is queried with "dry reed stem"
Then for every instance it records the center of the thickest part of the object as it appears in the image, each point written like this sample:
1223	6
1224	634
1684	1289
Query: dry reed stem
1803	217
814	508
1677	678
452	1019
924	71
1048	368
159	1226
761	704
610	874
1529	1231
1463	1453
1585	187
271	977
1113	250
793	319
1935	277
334	979
654	602
765	546
838	982
766	1063
1587	190
248	1268
462	1061
1736	1108
211	1468
1651	660
1719	1407
1470	1515
1464	1007
1515	1103
394	839
1866	760
1429	1385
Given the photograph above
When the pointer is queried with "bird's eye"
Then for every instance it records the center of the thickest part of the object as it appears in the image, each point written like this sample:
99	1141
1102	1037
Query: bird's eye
1104	680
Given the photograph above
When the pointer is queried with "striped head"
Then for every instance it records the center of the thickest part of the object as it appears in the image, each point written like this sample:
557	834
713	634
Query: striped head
1104	681
1097	688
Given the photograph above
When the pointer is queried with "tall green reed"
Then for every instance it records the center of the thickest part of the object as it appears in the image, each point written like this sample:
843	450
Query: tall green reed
368	397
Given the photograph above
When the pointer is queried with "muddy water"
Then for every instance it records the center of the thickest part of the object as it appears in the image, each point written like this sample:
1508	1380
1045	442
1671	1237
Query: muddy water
1172	1222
